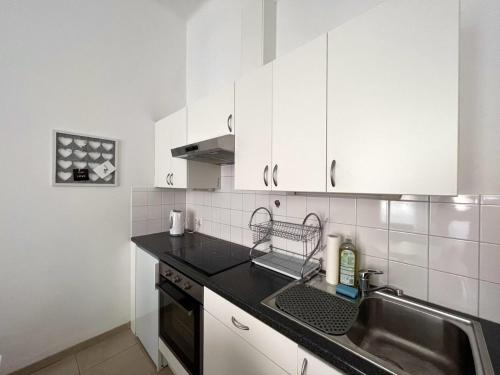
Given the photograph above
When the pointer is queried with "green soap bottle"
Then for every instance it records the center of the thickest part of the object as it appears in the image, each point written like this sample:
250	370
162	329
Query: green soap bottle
348	264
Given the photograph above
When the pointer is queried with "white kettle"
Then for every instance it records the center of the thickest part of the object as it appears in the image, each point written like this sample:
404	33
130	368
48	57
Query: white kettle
177	223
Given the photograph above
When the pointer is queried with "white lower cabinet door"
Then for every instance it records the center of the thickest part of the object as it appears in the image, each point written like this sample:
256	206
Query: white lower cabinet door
146	302
309	364
226	353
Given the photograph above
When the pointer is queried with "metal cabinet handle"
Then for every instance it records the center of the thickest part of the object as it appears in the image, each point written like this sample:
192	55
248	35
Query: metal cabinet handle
172	179
275	175
266	173
239	325
304	367
229	123
332	172
167	179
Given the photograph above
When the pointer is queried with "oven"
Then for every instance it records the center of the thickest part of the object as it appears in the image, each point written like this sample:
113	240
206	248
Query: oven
181	317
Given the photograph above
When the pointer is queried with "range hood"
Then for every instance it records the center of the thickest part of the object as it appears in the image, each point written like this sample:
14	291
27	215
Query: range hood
218	151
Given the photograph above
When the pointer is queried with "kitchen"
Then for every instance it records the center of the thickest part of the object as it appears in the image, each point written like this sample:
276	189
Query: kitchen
409	174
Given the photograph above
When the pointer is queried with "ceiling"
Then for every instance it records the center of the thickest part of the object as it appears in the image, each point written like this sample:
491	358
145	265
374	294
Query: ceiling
184	8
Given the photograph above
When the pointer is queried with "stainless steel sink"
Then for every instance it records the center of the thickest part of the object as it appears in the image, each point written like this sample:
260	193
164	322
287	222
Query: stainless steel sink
405	337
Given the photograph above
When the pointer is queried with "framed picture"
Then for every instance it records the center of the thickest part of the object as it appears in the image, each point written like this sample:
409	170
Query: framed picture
84	160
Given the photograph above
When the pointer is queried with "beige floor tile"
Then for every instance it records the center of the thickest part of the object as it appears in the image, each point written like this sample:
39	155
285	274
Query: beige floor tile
129	362
67	366
166	371
106	349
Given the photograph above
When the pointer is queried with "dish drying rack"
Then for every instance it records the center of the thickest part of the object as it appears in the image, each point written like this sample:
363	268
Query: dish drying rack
289	263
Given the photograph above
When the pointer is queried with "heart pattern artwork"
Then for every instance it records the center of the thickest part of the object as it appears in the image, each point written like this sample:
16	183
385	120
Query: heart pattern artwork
76	151
64	164
65	152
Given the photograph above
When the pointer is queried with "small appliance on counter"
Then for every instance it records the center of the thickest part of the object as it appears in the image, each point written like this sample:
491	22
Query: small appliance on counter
177	223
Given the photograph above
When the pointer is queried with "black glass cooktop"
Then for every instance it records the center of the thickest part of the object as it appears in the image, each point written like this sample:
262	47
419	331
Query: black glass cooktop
207	254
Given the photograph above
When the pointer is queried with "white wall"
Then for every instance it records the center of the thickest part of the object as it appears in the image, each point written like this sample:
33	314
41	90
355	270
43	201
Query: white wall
299	21
213	47
108	68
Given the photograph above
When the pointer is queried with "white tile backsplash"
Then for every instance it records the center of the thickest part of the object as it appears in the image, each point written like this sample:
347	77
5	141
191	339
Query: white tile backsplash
490	224
343	210
372	213
374	242
410	217
409	248
455	221
489	301
248	202
296	206
489	267
453	291
442	249
319	205
412	279
454	256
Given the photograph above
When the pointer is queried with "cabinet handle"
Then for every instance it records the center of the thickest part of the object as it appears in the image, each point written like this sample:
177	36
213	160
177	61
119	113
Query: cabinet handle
172	179
332	172
166	179
275	175
266	173
304	367
229	123
239	325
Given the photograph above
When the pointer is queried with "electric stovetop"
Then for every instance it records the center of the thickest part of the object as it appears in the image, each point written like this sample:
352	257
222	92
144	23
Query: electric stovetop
207	254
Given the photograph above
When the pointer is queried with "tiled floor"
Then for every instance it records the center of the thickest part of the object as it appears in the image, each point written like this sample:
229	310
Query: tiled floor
119	354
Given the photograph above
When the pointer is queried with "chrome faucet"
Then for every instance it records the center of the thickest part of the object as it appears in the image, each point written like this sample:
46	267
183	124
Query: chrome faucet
364	283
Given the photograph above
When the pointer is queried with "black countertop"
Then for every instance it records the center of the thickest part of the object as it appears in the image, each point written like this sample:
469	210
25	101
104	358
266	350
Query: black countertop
247	285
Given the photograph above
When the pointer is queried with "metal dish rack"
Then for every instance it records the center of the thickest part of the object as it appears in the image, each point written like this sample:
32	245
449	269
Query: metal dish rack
292	264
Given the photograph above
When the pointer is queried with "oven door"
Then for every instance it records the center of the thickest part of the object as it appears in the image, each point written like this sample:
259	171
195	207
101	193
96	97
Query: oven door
180	325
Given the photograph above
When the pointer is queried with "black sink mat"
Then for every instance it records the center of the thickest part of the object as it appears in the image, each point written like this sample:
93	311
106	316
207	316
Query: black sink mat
321	310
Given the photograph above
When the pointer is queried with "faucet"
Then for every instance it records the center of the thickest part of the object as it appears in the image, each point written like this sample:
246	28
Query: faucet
364	283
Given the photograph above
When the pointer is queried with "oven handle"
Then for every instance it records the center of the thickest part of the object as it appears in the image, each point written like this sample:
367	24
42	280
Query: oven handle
179	298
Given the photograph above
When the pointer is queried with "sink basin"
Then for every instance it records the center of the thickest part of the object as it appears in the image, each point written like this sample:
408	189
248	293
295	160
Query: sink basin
415	342
403	336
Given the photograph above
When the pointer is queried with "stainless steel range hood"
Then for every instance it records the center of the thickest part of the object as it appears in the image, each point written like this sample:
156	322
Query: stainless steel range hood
218	150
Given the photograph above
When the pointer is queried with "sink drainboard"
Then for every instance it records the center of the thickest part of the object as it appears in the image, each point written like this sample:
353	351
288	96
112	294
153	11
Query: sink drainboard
324	311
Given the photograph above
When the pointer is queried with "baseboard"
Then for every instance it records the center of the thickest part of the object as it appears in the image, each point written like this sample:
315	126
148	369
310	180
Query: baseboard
70	351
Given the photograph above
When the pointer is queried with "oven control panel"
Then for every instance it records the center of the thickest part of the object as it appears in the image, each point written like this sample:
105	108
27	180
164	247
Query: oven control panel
182	282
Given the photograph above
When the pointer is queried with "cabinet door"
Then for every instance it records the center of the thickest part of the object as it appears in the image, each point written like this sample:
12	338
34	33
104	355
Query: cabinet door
253	110
170	132
178	137
162	153
393	100
224	352
212	116
309	364
146	302
299	111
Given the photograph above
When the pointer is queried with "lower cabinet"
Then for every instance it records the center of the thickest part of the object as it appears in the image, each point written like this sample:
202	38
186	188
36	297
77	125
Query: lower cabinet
309	364
146	303
224	352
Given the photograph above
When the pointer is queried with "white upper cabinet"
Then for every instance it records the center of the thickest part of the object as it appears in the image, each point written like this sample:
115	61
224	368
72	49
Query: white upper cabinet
212	116
253	110
170	172
299	118
170	132
393	100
